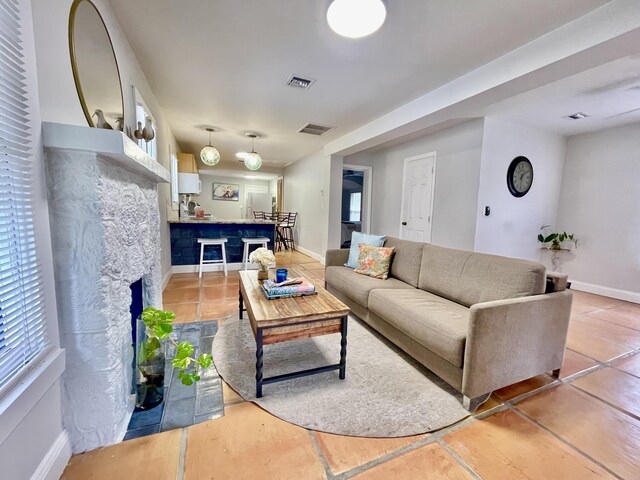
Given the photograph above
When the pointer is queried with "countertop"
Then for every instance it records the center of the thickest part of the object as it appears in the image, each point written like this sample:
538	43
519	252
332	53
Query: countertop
224	221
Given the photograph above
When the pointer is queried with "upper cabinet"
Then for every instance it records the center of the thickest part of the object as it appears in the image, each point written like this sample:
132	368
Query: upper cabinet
187	163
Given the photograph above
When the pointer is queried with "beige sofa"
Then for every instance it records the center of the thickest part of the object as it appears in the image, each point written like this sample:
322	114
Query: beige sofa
480	322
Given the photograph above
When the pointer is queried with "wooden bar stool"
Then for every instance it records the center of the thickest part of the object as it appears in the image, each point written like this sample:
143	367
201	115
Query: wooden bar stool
262	241
213	241
285	230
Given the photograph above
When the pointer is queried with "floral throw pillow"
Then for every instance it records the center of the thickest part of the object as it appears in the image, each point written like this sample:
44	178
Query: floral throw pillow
374	261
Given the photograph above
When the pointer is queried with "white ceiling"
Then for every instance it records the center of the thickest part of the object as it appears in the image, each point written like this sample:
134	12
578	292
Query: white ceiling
224	63
609	94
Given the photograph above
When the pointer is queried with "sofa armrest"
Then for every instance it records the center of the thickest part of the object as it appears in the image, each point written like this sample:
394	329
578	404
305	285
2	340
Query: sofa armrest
511	340
336	257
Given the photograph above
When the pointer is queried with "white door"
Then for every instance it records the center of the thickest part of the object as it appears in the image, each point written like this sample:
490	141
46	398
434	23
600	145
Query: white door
417	197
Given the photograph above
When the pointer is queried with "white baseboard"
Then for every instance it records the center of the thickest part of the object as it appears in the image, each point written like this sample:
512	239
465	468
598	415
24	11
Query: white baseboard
309	253
56	459
166	278
212	267
606	291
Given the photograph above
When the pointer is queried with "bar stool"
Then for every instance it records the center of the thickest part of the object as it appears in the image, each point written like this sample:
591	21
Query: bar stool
287	227
262	241
213	241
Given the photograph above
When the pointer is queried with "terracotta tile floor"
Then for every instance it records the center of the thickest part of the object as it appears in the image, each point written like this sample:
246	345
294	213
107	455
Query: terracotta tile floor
585	425
345	453
120	461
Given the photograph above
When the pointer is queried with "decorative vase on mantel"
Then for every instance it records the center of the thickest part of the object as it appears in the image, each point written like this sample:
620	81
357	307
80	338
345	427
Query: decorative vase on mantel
263	271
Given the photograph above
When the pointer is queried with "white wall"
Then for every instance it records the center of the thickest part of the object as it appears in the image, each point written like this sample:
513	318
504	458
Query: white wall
59	99
333	215
222	208
600	204
35	438
456	187
306	192
513	226
31	435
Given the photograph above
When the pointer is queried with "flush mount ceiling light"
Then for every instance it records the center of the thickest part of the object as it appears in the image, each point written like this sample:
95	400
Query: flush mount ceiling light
210	155
356	18
251	159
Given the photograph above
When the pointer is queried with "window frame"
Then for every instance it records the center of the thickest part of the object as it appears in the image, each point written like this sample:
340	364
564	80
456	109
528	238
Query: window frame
26	387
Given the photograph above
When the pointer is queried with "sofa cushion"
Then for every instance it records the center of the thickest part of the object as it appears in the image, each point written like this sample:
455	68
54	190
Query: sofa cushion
357	287
436	323
374	261
356	239
468	278
405	264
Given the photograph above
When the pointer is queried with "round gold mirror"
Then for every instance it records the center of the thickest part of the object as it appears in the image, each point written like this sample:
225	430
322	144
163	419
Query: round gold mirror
95	69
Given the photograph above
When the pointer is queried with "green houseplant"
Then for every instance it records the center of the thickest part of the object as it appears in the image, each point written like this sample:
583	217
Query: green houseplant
556	240
154	330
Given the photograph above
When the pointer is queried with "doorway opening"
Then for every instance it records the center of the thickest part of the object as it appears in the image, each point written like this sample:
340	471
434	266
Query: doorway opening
356	202
257	199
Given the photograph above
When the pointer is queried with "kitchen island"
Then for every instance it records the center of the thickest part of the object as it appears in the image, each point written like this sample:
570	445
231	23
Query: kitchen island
185	249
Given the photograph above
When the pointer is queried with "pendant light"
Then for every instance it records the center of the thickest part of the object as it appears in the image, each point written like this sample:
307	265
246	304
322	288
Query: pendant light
356	18
210	155
252	160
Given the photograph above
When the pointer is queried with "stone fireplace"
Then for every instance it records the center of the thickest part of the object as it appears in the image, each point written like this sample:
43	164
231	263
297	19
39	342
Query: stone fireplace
105	223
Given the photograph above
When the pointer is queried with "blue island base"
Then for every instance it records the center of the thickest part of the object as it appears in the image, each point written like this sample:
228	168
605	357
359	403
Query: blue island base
185	249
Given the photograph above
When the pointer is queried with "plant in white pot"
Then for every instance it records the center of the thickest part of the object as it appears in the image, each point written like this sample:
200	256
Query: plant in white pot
556	240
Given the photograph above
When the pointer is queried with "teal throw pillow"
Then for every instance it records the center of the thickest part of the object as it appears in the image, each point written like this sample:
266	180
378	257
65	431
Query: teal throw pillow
356	239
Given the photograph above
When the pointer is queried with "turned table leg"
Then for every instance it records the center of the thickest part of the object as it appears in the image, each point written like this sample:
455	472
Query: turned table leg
259	362
343	347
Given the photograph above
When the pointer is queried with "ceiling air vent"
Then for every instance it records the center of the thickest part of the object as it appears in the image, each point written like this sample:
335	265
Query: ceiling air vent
314	129
299	82
577	116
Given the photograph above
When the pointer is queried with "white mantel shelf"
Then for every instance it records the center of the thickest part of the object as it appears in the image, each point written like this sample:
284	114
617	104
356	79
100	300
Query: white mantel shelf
111	144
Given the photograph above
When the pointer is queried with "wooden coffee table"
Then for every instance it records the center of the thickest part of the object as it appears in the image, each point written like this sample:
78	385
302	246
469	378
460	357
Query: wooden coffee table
295	318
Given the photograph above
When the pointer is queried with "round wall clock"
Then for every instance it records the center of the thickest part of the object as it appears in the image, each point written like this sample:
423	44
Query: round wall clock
520	176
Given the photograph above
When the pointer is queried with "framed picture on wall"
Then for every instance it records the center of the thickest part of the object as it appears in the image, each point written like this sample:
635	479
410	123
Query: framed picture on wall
229	192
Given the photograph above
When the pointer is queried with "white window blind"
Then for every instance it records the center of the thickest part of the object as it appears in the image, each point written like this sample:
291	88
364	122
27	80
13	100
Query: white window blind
22	316
355	205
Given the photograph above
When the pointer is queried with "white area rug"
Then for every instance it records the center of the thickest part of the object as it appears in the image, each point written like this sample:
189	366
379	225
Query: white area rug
385	393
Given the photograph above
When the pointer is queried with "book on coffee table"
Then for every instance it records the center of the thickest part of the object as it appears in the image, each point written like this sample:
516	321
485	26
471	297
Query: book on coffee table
294	287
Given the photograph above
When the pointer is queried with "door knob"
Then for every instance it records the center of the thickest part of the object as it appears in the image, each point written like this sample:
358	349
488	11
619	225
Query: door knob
404	224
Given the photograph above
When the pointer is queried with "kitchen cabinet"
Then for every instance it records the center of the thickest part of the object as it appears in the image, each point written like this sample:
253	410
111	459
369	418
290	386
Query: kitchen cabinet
187	163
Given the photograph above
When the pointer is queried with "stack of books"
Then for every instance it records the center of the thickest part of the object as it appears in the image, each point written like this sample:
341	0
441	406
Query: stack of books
292	287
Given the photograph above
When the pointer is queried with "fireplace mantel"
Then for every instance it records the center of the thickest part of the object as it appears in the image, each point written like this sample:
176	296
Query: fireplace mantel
111	144
105	231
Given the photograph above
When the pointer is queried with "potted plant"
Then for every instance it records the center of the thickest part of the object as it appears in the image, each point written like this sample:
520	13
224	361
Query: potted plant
556	240
263	258
153	330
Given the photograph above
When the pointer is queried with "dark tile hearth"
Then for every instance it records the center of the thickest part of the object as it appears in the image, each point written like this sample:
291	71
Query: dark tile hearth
183	405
